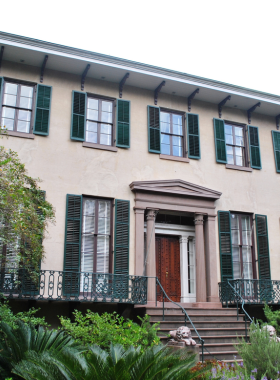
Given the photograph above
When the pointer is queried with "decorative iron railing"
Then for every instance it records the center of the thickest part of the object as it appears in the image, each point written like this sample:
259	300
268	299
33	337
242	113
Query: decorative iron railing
73	286
252	291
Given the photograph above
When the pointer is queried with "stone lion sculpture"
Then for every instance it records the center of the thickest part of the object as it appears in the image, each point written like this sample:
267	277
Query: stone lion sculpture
272	332
182	334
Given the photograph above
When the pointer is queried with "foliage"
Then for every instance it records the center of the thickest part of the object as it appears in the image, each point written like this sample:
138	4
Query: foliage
262	354
273	318
155	363
11	319
103	330
24	212
20	342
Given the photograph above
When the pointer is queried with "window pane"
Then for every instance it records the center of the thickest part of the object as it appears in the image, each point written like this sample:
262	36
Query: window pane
106	116
230	159
177	151
105	139
165	117
26	91
92	114
235	237
89	207
87	253
247	271
102	260
107	106
239	161
91	127
176	140
246	238
245	221
104	226
164	127
236	270
23	126
93	104
229	150
229	139
165	139
88	216
8	123
25	102
104	209
165	149
91	137
238	151
10	100
234	221
239	141
238	131
106	128
11	88
8	112
177	119
228	129
177	130
24	115
246	254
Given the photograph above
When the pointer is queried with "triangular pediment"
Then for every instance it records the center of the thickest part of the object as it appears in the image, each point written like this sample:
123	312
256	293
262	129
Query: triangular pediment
175	186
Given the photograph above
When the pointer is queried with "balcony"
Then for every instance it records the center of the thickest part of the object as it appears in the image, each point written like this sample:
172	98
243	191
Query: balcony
252	291
54	285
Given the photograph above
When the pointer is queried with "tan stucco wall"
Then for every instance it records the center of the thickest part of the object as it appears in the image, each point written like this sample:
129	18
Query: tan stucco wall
66	167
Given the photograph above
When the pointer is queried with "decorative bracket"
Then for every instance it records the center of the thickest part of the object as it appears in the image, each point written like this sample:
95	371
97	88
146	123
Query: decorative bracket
221	104
190	98
43	68
122	83
84	77
1	55
251	110
157	90
277	121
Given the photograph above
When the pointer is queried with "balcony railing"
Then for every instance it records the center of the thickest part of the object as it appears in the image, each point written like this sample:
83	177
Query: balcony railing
252	291
73	286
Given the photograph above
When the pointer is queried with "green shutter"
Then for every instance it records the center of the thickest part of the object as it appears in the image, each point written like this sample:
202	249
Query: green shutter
225	245
72	245
123	123
121	259
154	129
263	247
193	136
220	141
78	121
254	144
276	146
1	91
43	110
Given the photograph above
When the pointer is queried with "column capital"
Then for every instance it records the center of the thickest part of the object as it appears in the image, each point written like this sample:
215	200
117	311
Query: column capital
184	239
152	213
138	210
198	219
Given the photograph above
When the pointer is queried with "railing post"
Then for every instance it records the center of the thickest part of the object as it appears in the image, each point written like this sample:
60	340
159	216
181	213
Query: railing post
163	307
237	309
202	350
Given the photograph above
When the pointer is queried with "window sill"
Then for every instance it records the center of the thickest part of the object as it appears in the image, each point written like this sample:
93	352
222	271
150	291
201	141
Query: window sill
236	167
19	134
173	158
100	146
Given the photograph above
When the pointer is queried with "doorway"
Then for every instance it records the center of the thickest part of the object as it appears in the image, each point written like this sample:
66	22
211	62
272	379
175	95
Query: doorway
168	266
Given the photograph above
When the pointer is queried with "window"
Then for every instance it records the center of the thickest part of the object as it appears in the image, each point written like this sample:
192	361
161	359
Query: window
94	122
99	122
172	135
235	145
242	246
17	107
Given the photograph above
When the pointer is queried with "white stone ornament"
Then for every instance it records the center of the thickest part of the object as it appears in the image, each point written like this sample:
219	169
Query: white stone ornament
182	334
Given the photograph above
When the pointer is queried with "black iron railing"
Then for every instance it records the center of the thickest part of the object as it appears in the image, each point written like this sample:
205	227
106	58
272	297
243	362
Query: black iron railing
73	286
251	291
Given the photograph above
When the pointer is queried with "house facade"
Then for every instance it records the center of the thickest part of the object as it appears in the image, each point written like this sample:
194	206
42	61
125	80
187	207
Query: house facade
152	173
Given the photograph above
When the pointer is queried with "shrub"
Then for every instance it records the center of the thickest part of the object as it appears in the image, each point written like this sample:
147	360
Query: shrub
105	329
273	318
262	355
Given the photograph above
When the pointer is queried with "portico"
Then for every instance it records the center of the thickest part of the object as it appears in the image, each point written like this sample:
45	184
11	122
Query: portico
178	196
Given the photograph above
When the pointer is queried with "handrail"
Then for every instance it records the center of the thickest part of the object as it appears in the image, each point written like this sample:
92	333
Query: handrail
186	316
242	306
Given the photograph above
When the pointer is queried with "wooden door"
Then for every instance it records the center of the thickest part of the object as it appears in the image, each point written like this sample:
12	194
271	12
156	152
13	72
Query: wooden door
168	266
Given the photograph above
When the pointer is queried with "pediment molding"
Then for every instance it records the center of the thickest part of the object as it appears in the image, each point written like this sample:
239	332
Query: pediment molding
175	187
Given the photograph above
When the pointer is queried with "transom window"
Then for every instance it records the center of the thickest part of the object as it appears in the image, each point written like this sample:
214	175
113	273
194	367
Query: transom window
17	107
96	235
235	145
99	126
242	246
171	127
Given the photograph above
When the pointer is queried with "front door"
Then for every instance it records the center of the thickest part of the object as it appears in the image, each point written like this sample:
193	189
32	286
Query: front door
168	266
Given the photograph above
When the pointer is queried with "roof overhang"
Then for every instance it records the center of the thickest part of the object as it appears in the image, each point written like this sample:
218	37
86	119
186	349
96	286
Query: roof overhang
74	61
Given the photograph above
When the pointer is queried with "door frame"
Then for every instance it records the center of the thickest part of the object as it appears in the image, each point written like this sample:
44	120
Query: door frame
186	234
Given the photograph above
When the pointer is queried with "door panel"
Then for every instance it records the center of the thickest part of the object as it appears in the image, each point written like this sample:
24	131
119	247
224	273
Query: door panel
168	266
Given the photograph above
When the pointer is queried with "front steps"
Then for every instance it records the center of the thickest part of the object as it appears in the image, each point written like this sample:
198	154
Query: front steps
217	326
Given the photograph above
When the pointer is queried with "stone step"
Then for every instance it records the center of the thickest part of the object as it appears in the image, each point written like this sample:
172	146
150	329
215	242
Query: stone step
194	317
172	325
190	311
213	332
231	339
230	356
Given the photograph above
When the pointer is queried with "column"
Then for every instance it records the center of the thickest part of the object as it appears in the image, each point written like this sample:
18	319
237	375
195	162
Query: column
139	241
211	259
184	268
151	254
200	259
